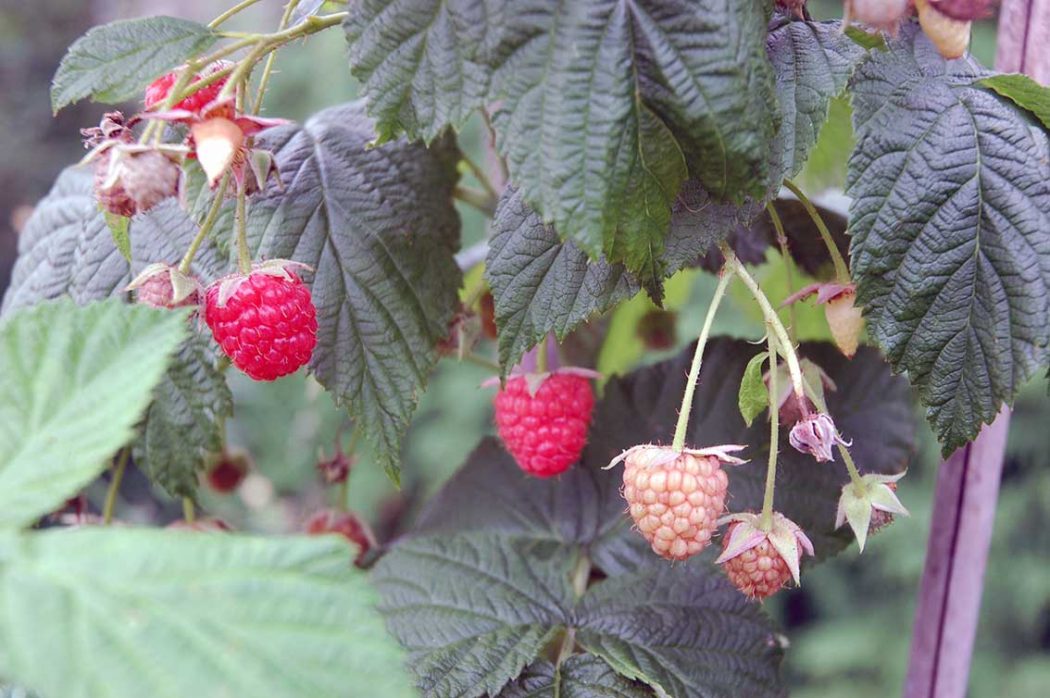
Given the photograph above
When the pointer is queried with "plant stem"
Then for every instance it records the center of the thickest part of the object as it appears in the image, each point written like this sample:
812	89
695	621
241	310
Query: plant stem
480	175
482	201
774	433
789	264
206	226
244	256
243	5
114	485
698	356
542	356
268	68
189	512
841	270
473	358
785	345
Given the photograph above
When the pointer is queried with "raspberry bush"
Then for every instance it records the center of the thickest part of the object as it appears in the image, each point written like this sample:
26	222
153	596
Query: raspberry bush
638	496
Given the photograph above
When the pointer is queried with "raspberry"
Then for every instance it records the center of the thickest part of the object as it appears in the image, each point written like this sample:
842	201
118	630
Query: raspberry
545	428
760	561
265	322
845	322
164	286
335	469
657	329
869	504
346	524
879	14
159	89
130	179
950	36
226	473
675	498
881	519
218	144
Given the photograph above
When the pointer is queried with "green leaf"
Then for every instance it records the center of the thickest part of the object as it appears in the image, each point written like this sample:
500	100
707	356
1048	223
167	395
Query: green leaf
951	205
542	285
812	62
867	40
1024	92
871	407
75	381
114	62
605	107
473	609
378	227
183	424
579	676
123	613
753	397
118	228
683	631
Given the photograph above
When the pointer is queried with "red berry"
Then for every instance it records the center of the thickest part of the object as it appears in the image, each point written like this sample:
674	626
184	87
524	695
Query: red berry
758	572
227	472
267	325
674	498
545	431
159	89
346	524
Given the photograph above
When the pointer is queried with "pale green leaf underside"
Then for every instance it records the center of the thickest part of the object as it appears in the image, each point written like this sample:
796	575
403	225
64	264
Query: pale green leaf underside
124	613
75	381
114	62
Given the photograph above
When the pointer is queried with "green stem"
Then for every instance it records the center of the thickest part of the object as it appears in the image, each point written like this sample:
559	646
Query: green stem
114	485
841	270
789	264
342	493
480	175
244	256
243	5
189	512
847	458
542	356
206	226
774	433
694	369
787	348
268	68
482	201
473	358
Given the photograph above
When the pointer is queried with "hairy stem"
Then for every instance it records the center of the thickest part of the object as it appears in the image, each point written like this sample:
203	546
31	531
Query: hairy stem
114	485
841	270
243	5
694	368
206	226
543	351
268	68
774	434
789	265
244	255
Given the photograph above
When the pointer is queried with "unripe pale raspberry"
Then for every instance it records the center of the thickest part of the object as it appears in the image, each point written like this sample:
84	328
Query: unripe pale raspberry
845	322
675	499
545	427
265	322
759	572
950	36
345	523
880	518
162	285
129	180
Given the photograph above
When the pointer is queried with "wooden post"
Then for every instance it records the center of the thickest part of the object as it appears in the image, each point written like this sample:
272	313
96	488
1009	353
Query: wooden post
968	482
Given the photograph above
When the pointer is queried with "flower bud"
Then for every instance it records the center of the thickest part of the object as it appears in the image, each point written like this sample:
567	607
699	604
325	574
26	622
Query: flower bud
815	434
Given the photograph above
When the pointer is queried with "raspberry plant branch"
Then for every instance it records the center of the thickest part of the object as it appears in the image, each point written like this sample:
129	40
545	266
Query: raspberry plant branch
774	433
841	269
477	360
787	348
778	226
482	201
206	226
189	511
698	356
480	175
543	351
243	5
271	59
114	485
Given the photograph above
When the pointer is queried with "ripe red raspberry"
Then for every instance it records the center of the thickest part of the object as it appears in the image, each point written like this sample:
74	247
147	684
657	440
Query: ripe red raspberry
676	497
761	557
159	89
545	427
265	322
227	471
346	524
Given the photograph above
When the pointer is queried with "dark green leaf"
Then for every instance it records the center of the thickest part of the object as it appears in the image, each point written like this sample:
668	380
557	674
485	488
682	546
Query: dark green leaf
1024	92
812	62
379	229
125	613
753	397
683	631
473	609
74	382
950	212
183	424
871	407
579	676
114	62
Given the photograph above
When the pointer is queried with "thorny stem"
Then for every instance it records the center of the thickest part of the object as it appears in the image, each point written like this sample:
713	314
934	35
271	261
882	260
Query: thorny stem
114	485
841	270
206	226
847	458
244	256
268	68
482	201
786	347
778	225
698	356
189	512
243	5
774	434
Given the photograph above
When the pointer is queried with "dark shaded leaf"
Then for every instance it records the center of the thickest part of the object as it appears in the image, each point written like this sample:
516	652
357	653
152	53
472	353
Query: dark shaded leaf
950	212
579	676
379	229
114	62
805	245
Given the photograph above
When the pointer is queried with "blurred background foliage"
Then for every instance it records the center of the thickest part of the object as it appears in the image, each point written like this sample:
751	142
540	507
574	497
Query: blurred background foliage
849	626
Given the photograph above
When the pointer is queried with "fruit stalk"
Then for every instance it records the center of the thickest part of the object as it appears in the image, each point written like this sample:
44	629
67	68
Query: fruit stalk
206	226
244	256
841	269
774	433
778	226
114	485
